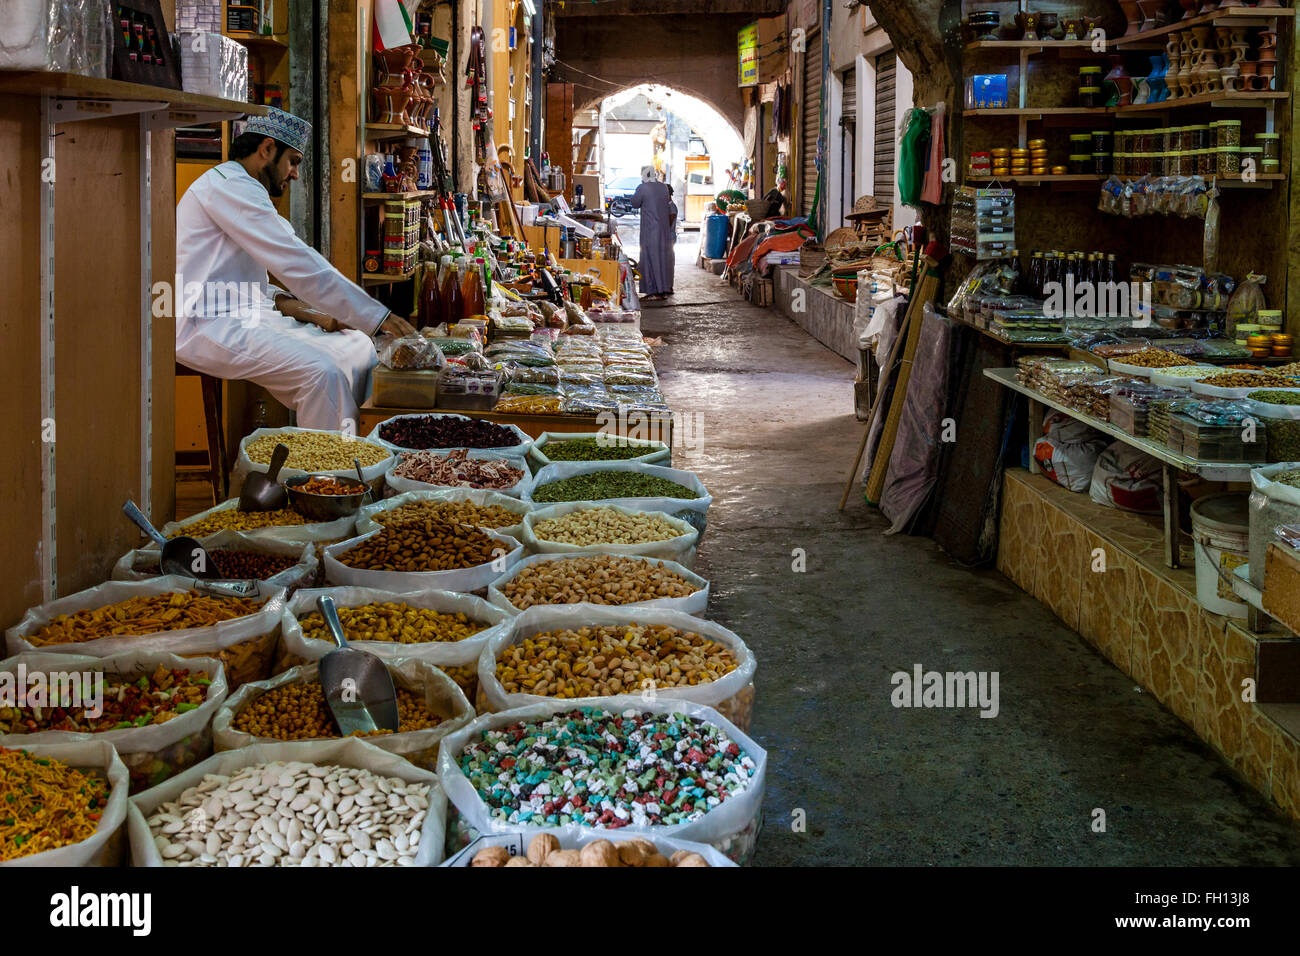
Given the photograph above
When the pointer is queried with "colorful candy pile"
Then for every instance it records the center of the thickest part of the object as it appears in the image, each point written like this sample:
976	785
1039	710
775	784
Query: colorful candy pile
594	768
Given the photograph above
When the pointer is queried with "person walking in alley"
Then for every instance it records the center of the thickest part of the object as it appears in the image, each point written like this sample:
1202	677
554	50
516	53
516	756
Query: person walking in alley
658	215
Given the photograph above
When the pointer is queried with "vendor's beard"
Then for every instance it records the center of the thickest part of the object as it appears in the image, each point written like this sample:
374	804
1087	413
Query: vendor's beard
274	185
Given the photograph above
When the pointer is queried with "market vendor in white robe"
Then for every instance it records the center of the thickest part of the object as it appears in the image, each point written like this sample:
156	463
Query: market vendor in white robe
310	345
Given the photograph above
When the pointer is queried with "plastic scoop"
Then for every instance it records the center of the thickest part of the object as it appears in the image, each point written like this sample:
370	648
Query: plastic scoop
262	492
182	555
358	688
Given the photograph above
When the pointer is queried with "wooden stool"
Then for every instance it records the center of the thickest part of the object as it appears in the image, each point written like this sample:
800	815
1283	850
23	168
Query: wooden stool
218	470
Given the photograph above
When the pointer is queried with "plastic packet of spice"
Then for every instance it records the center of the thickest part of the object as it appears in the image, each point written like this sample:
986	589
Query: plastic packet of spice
412	352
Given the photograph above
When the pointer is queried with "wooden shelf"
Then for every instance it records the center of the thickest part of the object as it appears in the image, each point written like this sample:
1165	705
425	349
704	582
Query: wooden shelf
1262	181
265	40
384	197
72	86
379	278
1250	15
1211	470
1038	180
1033	45
393	131
1243	100
1221	100
1041	111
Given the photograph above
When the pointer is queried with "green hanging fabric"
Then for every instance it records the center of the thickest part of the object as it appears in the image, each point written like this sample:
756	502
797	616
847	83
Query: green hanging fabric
912	157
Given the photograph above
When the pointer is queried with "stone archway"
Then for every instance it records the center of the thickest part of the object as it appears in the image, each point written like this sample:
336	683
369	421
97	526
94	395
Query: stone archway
604	55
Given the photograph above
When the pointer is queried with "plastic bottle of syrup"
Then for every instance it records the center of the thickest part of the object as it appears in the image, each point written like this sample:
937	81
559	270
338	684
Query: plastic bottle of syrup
453	300
472	290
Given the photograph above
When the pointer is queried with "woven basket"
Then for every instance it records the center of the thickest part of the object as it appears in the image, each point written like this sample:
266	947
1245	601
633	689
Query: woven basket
811	258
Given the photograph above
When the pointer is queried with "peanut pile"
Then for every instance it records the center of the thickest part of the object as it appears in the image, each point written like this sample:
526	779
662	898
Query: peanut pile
316	451
299	712
458	512
393	623
544	850
426	545
599	579
591	526
599	661
143	615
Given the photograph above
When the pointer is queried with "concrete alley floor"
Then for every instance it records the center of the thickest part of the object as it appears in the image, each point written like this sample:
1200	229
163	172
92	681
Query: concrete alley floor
879	785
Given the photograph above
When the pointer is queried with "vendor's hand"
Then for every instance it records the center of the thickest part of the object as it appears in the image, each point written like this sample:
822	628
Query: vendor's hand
396	325
322	321
296	309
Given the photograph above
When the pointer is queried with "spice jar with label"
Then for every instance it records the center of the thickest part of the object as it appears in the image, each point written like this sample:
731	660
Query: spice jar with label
1229	133
1251	157
1229	161
1271	144
1101	164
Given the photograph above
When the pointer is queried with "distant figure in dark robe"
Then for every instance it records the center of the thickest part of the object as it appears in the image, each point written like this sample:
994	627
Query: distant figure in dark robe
657	228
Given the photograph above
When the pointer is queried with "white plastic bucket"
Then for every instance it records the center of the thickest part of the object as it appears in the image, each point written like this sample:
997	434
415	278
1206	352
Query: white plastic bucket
1221	530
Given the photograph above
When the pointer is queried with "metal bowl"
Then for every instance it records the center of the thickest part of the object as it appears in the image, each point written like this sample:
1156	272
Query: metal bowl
325	507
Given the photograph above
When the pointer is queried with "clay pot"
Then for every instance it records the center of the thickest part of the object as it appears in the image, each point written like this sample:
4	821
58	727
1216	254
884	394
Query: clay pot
396	60
1174	76
1189	6
1154	13
1228	4
1200	39
1073	28
1249	68
1028	23
390	103
1134	17
1049	26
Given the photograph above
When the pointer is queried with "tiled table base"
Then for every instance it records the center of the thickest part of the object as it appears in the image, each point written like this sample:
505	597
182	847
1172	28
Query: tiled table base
1145	618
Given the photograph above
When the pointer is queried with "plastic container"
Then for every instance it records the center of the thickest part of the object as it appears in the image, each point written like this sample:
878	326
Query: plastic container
414	388
715	235
1221	531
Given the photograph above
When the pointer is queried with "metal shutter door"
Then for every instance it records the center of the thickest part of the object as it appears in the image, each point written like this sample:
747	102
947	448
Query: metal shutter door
812	104
848	139
886	145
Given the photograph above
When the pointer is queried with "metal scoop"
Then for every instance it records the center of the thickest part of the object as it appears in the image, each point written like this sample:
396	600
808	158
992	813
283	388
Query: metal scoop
369	496
261	492
358	688
182	555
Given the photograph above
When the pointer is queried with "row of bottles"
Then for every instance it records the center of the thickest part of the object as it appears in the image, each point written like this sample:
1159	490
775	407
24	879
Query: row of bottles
1057	268
458	290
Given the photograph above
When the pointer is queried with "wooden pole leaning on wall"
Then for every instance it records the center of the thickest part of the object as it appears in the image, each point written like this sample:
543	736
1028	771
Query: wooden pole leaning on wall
922	296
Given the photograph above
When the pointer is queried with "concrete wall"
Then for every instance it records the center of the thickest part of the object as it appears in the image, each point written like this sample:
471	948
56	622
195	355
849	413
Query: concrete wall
698	55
